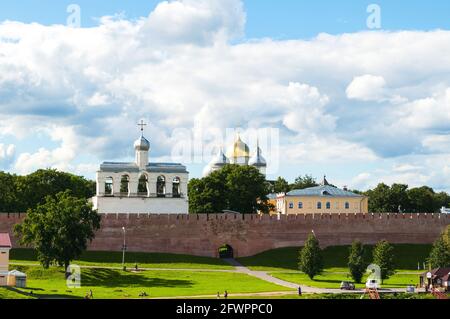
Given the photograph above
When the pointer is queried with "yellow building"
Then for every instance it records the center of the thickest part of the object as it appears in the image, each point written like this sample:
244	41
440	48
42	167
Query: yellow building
324	199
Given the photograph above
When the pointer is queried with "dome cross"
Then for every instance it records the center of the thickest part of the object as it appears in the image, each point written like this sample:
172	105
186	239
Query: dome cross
142	125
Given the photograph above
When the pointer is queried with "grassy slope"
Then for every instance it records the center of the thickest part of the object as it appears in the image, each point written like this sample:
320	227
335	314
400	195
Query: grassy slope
7	293
279	261
335	258
112	284
333	280
144	260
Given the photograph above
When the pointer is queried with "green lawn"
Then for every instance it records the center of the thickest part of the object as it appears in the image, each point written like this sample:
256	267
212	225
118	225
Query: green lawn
114	284
335	258
144	260
333	280
107	282
10	293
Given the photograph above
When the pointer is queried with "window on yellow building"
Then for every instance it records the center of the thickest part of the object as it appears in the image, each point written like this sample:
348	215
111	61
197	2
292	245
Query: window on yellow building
291	205
319	205
347	205
300	205
328	205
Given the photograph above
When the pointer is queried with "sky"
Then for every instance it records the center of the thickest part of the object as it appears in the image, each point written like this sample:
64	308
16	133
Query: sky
357	90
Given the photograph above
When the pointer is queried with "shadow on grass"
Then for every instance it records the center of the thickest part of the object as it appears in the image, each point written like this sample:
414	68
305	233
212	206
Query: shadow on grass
115	279
40	296
115	257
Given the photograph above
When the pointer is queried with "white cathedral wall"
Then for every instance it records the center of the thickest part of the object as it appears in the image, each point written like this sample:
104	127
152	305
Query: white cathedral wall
141	205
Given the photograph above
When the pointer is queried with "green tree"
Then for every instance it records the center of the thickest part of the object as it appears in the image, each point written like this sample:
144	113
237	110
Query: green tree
303	182
398	197
207	195
238	188
422	200
8	193
440	254
356	263
310	258
34	188
385	199
59	229
446	235
281	186
378	198
383	257
441	199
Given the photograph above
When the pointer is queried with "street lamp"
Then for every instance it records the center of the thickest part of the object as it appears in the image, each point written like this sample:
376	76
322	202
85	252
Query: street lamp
124	248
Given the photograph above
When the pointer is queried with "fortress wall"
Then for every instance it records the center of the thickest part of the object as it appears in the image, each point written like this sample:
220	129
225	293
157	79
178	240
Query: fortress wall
251	234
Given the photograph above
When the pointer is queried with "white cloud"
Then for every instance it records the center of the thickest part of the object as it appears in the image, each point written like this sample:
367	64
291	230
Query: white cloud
182	65
367	88
7	154
431	113
195	22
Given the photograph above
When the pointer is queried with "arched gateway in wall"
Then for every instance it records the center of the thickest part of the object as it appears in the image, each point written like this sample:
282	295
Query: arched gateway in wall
202	235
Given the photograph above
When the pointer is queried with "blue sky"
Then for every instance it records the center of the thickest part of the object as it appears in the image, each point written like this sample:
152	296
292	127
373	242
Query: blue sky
362	106
285	19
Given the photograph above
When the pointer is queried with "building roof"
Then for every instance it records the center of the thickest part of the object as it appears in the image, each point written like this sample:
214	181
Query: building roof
272	196
443	273
323	191
5	241
118	167
16	273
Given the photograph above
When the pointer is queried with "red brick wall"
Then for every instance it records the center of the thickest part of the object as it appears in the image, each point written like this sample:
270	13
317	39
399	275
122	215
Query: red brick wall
251	234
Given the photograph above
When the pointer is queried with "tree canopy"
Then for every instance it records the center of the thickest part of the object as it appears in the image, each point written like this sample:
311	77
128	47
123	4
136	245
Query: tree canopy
398	197
310	258
59	229
20	193
237	188
440	253
383	257
356	263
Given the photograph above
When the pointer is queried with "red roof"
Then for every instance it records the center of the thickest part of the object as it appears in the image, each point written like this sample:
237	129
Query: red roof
5	241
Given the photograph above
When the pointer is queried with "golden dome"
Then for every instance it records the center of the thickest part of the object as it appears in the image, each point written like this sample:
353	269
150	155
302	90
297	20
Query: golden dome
239	149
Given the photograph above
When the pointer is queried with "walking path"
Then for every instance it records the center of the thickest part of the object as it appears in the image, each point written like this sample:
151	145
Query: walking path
239	268
305	289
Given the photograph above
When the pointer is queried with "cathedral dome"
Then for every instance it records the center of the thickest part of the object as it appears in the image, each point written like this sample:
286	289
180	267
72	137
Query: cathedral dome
239	149
220	159
142	144
257	160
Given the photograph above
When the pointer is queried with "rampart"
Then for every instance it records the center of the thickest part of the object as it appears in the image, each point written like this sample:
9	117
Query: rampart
202	235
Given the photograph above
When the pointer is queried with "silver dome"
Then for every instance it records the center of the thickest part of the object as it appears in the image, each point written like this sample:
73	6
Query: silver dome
257	159
220	159
142	144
